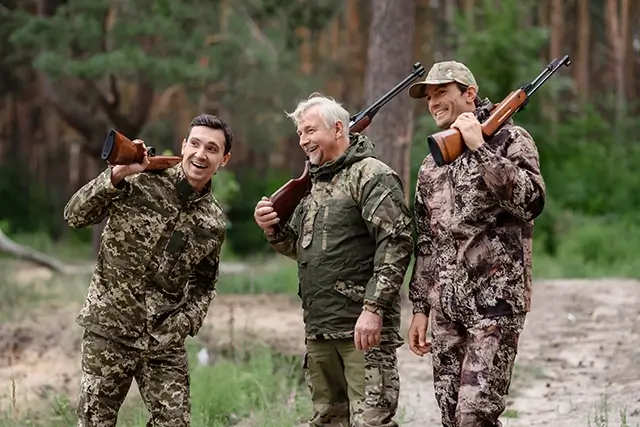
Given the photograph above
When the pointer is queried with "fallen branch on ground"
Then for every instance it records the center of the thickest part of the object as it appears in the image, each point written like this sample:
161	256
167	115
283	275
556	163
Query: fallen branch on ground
19	251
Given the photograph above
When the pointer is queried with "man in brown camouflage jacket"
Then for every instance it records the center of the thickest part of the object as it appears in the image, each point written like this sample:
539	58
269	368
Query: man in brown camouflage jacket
154	278
351	238
472	272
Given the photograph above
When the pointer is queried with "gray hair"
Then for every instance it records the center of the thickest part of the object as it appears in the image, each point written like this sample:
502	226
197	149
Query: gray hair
330	110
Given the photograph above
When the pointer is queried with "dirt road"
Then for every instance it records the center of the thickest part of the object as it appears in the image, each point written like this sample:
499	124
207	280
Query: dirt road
581	343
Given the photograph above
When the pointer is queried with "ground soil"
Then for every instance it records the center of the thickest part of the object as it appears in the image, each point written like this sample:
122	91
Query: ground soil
581	343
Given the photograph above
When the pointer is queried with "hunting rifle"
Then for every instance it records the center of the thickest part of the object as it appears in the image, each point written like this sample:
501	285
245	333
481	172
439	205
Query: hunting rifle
119	150
447	145
287	197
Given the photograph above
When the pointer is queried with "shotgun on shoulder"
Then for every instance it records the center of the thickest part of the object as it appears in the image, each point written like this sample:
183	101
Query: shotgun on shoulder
287	197
447	145
119	150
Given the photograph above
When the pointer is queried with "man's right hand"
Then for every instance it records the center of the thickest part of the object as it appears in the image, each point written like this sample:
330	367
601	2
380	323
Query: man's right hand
418	335
265	216
120	172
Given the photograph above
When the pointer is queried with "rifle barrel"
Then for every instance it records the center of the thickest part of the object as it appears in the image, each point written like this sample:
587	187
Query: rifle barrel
548	71
418	71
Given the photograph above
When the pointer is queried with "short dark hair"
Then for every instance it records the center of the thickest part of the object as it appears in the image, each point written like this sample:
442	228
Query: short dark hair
213	122
463	88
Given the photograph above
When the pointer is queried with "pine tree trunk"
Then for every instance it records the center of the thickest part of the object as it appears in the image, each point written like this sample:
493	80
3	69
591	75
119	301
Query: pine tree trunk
389	60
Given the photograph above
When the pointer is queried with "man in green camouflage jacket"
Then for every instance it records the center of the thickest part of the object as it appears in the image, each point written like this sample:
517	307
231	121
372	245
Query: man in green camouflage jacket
472	273
154	278
351	238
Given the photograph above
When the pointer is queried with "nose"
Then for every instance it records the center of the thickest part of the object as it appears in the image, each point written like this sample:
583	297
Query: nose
433	103
200	152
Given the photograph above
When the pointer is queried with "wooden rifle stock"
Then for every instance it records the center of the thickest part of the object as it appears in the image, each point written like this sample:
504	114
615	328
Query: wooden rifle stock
447	145
286	198
120	150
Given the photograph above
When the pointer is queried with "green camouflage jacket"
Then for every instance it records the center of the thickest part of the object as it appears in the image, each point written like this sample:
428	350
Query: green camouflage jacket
351	238
157	267
474	225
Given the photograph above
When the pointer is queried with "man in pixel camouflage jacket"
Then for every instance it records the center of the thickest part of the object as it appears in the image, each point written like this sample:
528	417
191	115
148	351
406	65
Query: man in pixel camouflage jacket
472	273
351	238
154	278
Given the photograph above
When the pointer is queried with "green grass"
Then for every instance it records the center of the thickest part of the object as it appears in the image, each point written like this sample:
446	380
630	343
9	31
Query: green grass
260	385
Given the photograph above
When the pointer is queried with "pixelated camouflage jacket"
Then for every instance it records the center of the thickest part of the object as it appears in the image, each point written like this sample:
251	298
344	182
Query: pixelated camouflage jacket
351	237
474	225
157	267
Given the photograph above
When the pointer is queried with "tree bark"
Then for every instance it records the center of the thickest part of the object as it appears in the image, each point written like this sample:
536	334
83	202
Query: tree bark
582	57
618	31
389	60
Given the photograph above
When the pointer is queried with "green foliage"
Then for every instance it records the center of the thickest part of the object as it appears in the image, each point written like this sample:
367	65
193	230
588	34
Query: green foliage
245	237
23	202
164	39
500	53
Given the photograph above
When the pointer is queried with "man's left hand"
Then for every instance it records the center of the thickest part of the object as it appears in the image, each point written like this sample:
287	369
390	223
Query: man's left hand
368	330
469	127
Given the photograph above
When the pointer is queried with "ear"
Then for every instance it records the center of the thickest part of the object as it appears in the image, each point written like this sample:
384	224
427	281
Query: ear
339	129
225	159
184	143
471	94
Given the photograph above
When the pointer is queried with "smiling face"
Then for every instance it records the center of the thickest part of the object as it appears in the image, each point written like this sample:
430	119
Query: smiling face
320	142
203	154
447	102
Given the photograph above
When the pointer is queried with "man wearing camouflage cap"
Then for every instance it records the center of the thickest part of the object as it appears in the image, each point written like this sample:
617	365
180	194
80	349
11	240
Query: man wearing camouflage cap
472	272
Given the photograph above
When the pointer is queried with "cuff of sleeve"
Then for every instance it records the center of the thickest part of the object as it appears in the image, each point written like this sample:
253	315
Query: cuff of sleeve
373	307
279	237
189	323
421	307
107	185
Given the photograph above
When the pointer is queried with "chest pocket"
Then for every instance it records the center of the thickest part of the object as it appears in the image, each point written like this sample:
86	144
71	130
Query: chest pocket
186	247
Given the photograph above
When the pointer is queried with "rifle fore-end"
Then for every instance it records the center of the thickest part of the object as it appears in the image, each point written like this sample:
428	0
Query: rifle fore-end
120	150
360	125
503	112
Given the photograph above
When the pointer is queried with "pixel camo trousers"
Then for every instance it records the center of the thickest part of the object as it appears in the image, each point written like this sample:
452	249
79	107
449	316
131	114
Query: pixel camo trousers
108	369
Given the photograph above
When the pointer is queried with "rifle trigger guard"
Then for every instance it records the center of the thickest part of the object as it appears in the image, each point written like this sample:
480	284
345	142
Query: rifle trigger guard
151	151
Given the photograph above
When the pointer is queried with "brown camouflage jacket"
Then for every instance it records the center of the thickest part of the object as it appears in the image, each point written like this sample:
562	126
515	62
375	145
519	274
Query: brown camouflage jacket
474	222
351	238
157	267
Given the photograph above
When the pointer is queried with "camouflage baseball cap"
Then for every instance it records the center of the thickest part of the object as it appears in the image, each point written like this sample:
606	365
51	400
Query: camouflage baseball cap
441	73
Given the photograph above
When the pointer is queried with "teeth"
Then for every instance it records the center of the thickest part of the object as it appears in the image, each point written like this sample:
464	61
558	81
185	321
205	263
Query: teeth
198	165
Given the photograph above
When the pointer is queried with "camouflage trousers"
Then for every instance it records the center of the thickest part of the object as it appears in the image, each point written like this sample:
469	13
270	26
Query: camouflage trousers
472	368
351	388
108	369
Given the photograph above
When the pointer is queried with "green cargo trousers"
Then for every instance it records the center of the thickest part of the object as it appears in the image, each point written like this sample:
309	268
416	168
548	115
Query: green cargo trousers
351	388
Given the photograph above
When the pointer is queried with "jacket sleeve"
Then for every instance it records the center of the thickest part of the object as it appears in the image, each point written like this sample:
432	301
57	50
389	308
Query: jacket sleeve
285	242
419	285
388	219
201	288
90	204
515	179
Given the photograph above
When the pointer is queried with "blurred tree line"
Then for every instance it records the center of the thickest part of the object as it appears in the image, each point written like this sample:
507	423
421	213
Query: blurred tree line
72	69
